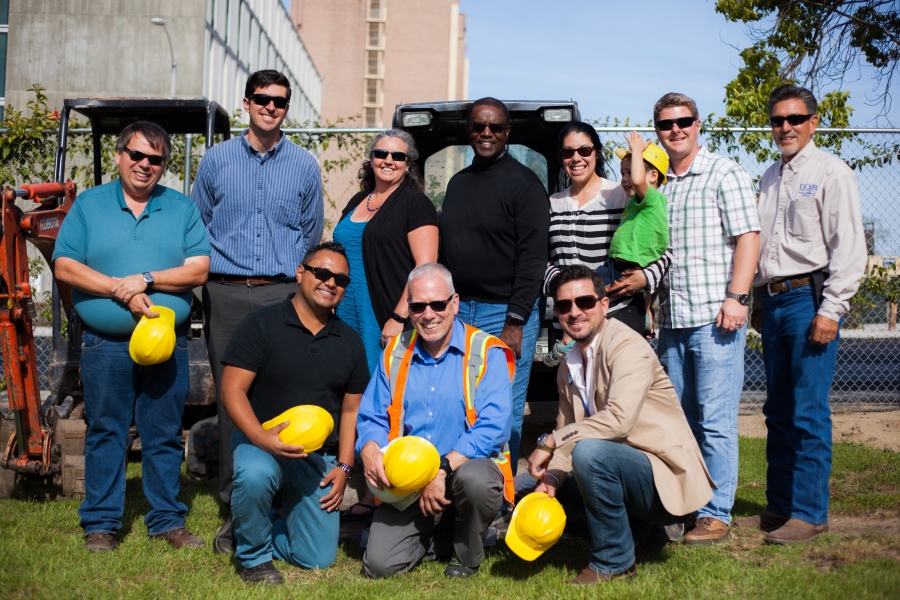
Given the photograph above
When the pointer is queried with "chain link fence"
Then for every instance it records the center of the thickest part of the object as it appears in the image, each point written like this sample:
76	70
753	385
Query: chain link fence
868	367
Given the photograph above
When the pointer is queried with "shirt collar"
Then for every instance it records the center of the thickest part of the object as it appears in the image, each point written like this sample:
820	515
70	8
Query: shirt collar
576	358
800	158
457	343
254	152
153	204
291	319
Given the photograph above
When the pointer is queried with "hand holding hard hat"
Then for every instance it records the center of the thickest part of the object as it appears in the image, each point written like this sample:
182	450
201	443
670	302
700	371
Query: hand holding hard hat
537	524
410	463
308	426
153	340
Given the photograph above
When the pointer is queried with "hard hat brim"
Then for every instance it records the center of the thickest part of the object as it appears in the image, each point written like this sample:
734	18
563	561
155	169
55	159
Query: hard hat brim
518	545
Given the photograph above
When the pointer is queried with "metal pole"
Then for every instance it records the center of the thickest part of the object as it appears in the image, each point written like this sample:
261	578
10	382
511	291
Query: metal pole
188	151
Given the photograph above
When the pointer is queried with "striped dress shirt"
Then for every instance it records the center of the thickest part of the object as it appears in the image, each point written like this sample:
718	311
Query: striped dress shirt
262	211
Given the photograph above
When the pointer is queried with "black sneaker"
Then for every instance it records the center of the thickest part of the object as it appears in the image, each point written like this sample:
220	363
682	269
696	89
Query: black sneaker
224	541
262	573
459	570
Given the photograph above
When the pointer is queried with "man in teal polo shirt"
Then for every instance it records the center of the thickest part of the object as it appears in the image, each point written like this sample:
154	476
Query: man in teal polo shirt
125	247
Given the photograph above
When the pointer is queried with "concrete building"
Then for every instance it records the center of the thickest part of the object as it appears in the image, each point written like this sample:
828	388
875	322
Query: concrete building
78	48
374	54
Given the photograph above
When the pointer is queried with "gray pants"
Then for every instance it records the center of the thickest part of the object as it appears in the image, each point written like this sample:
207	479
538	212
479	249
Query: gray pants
400	540
224	306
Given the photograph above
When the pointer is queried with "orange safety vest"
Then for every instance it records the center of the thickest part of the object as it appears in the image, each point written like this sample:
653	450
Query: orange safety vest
397	357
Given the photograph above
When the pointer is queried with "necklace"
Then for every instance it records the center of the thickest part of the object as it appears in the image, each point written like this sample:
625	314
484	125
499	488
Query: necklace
369	206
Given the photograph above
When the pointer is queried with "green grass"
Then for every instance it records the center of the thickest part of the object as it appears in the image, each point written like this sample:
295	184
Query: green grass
41	554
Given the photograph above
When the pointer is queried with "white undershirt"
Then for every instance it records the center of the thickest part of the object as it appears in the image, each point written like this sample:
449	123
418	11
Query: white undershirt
581	369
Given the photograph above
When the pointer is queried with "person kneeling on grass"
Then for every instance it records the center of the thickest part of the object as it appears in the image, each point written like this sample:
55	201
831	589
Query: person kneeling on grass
293	353
620	431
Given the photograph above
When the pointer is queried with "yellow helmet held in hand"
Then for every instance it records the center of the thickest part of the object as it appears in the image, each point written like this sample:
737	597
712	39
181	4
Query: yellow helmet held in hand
153	340
309	426
411	462
400	499
537	524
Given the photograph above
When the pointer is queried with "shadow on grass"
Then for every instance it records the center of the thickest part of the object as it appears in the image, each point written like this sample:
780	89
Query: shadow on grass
745	508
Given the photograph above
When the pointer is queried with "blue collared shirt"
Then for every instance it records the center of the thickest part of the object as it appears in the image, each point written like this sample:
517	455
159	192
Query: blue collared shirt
262	211
435	405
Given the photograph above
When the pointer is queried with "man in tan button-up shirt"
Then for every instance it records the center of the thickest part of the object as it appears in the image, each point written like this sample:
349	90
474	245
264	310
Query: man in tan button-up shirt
812	255
621	431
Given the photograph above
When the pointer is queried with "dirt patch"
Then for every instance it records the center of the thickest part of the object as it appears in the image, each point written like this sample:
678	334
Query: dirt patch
856	525
876	429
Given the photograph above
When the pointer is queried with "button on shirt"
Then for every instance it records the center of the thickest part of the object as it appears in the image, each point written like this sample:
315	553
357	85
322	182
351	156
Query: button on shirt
810	219
262	211
434	403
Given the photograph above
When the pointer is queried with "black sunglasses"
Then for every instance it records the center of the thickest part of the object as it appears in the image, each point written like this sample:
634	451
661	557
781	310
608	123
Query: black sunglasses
264	99
584	151
564	307
792	119
153	159
478	127
437	306
396	155
682	122
324	275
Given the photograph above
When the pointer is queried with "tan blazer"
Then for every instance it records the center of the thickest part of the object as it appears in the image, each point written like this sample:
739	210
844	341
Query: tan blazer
635	404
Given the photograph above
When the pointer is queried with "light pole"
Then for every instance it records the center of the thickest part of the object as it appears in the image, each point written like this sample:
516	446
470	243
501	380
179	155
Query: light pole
162	23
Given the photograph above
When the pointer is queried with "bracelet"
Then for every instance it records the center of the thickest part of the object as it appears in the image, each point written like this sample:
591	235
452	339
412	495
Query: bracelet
398	318
347	469
553	476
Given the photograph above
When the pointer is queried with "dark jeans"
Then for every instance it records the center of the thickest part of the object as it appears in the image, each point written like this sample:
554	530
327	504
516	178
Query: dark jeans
798	415
118	391
224	306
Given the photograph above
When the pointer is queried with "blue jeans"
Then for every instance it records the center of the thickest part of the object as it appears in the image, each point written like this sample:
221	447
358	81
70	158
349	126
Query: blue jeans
706	366
798	415
307	536
118	391
491	318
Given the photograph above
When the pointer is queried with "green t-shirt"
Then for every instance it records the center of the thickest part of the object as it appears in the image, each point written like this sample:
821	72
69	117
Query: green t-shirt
643	233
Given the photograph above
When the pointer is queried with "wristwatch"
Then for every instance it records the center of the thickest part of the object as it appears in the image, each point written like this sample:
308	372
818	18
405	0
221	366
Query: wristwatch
743	299
148	279
445	466
542	443
513	321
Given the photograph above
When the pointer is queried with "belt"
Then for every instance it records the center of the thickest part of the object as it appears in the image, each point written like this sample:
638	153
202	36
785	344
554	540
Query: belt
248	280
787	284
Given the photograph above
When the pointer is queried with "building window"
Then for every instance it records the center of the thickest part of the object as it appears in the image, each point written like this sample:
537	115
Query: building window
372	117
375	9
372	63
374	35
372	91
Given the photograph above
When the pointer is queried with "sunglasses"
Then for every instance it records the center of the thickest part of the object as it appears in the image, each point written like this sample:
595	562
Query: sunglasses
396	155
479	127
437	306
682	122
324	275
792	119
584	152
153	159
264	99
564	307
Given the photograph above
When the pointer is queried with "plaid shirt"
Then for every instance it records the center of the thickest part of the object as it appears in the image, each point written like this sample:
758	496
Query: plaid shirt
708	207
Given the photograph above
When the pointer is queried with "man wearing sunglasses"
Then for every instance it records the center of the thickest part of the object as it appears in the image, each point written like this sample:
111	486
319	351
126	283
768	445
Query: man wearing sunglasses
294	352
621	431
495	225
125	247
812	257
713	243
260	196
422	388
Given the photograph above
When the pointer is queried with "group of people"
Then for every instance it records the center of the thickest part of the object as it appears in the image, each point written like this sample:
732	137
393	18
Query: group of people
445	307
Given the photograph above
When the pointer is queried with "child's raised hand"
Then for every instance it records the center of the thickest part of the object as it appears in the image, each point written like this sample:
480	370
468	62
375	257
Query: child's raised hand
636	143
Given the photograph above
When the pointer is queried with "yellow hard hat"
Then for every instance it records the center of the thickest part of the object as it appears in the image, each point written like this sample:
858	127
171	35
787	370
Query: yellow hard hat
309	426
537	524
654	155
399	498
411	462
153	340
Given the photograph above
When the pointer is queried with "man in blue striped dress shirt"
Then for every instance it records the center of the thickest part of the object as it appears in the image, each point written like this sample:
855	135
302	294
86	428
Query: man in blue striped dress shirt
260	196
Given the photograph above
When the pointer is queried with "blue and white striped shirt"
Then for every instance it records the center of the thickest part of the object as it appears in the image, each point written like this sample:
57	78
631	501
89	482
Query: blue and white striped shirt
262	211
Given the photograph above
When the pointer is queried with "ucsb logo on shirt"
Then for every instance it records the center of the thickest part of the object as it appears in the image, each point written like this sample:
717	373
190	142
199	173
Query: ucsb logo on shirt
807	190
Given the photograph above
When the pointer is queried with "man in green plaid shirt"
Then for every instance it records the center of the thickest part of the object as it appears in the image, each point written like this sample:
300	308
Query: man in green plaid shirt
713	244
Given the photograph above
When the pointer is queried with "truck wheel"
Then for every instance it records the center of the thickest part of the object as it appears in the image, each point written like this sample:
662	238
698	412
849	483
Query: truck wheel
202	448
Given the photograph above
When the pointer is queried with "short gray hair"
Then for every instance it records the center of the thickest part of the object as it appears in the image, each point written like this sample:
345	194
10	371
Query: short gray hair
430	270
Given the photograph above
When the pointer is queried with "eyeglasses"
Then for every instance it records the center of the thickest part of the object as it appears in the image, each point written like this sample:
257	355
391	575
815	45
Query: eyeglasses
437	306
792	119
153	159
264	99
564	307
321	274
682	122
478	127
584	151
396	155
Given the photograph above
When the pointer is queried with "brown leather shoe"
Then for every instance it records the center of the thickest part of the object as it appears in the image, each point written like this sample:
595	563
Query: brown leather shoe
100	542
796	531
765	521
706	532
588	576
653	542
179	538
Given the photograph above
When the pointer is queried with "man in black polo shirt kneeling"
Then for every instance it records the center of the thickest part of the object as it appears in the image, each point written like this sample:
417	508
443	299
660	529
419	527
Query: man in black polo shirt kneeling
292	353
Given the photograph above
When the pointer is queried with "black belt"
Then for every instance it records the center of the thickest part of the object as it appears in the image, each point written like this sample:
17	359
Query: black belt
248	280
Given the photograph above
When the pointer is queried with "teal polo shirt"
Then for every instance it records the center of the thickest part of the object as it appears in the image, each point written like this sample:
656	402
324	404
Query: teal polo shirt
101	232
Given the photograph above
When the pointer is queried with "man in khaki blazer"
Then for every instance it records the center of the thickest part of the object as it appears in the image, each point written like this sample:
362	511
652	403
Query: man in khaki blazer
620	431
